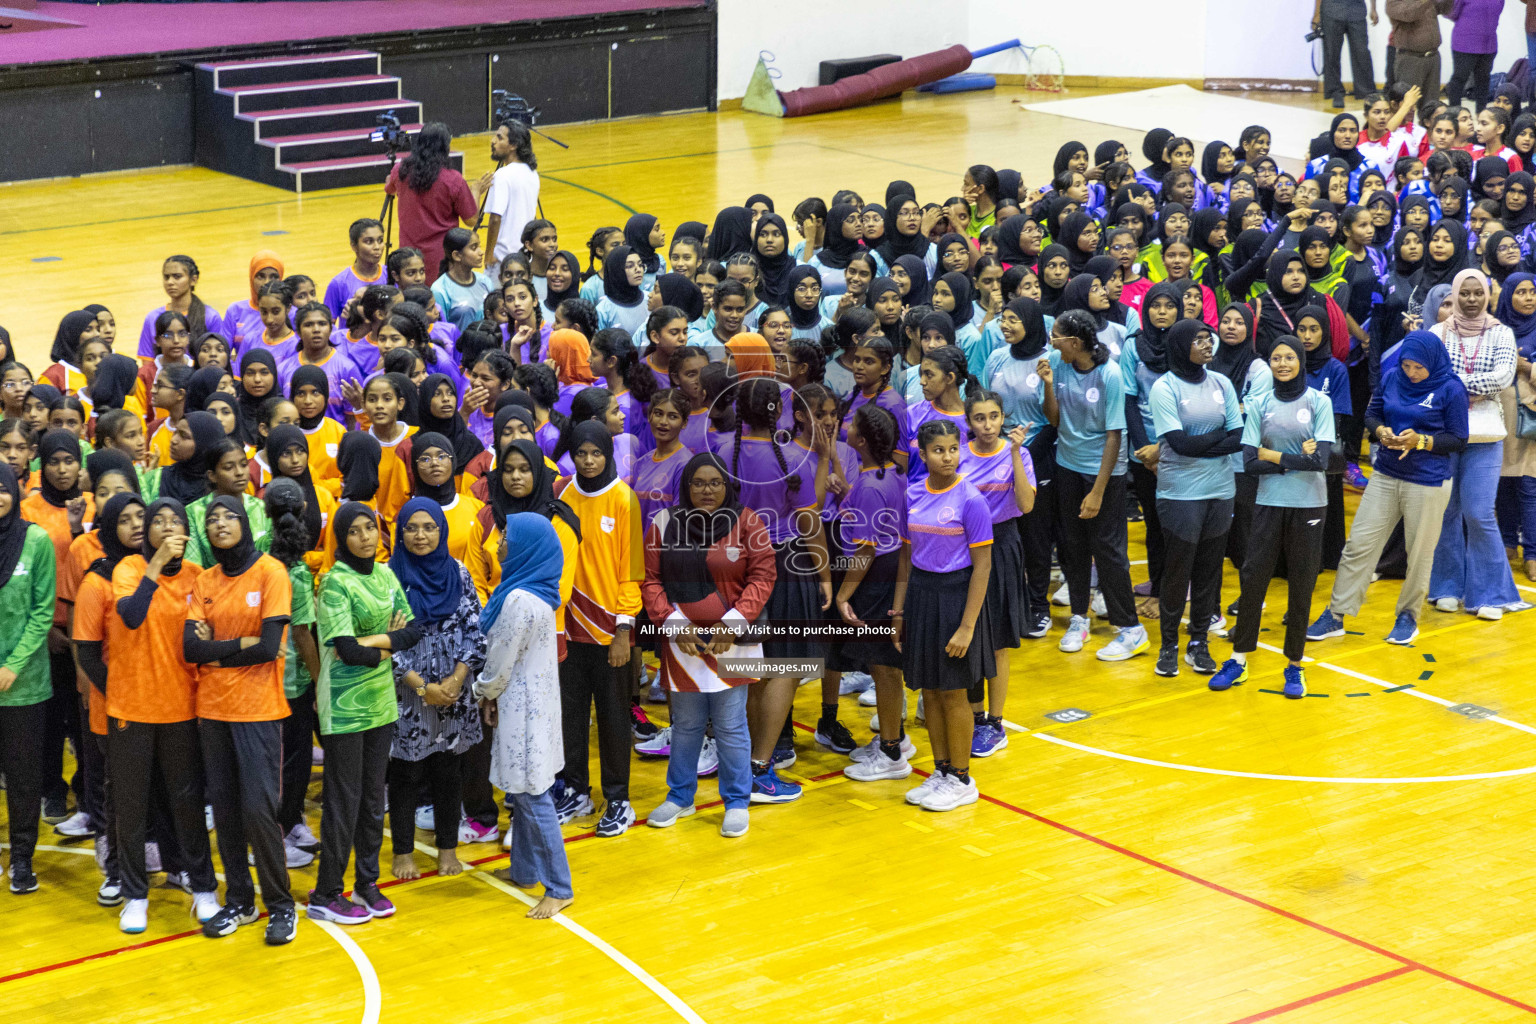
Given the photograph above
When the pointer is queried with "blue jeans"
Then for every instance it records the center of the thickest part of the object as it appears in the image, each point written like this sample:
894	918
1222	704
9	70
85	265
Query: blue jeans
690	713
1516	510
538	849
1470	564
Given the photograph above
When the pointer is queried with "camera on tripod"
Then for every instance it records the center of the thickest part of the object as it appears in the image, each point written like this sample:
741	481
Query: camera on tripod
508	106
389	132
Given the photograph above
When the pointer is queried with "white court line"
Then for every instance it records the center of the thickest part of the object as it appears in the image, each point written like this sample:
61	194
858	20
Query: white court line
1416	692
640	974
373	998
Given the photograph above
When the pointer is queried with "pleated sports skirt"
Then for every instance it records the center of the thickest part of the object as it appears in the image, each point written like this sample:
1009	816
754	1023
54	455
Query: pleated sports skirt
795	602
871	604
934	606
1007	609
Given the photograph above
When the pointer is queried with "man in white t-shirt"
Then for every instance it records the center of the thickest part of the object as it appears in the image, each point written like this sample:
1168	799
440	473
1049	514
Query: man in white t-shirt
513	197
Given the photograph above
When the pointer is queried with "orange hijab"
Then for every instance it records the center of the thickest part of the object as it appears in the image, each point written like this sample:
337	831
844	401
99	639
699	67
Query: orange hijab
752	356
572	356
263	260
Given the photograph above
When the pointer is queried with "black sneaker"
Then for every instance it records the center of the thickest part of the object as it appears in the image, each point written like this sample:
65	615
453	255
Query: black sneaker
1041	627
616	819
571	804
1232	611
228	919
55	809
1197	654
23	880
1167	661
640	724
835	736
281	926
784	752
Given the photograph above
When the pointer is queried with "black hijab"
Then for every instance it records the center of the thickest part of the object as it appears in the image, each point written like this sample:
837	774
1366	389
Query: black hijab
731	234
13	529
54	442
1072	229
204	383
1350	156
1497	270
1035	339
1052	208
1152	342
250	405
552	298
1433	271
691	532
1234	361
155	507
803	318
1290	390
917	271
637	235
1009	244
280	439
187	480
758	197
541	498
1180	340
112	549
1064	156
1103	267
115	379
1050	297
1075	296
234	561
1164	215
105	461
358	458
960	288
898	188
442	493
462	441
1514	220
1278	310
1104	152
342	522
1310	236
315	378
837	250
1401	267
1152	148
695	229
1318	357
616	282
1009	183
1489	167
1383	234
595	433
773	271
1201	224
506	414
66	340
1208	160
680	293
1128	210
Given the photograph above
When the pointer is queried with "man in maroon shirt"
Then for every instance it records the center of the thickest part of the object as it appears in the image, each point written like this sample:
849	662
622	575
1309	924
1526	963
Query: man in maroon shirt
432	196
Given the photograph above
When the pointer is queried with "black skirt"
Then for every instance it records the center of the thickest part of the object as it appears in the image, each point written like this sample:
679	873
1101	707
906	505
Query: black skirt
795	602
934	607
871	604
1007	610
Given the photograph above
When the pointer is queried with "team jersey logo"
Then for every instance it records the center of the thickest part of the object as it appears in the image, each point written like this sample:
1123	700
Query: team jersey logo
1429	401
607	524
1303	415
1092	394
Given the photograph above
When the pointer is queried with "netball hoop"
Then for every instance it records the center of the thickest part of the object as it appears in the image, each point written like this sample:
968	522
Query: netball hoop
1046	73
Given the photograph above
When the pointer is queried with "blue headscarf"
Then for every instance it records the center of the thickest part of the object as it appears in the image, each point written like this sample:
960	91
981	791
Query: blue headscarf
431	582
1523	325
1428	351
533	564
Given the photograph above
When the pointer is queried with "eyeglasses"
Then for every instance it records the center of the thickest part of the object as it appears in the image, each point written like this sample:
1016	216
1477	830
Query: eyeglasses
427	458
222	517
707	485
177	335
1123	247
18	385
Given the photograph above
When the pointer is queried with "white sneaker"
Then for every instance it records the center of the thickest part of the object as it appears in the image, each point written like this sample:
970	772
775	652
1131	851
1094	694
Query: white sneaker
654	694
301	836
297	856
1219	626
1447	604
1096	604
659	745
855	682
1062	597
134	917
208	817
204	906
506	840
872	748
426	818
867	698
709	757
736	822
874	719
1127	643
1491	612
920	718
317	756
919	793
1076	635
76	826
951	793
877	768
110	894
152	858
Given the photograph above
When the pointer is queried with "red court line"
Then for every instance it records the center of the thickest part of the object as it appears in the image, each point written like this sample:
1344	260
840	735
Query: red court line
1320	996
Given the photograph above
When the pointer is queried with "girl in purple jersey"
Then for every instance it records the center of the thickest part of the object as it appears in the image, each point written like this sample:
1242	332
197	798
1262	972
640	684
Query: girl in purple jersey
686	374
871	361
179	275
942	628
788	505
943	372
615	364
873	522
666	333
655	474
999	466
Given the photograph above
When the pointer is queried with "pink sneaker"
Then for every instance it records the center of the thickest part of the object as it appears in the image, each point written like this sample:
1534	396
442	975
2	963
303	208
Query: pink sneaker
374	902
473	832
335	909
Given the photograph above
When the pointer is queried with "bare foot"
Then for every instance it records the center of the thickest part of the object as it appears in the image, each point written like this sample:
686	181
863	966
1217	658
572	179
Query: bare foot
1530	568
505	875
1148	607
548	907
448	863
404	866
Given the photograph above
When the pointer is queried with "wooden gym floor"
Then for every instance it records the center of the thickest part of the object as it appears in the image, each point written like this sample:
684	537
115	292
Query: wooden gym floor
1165	855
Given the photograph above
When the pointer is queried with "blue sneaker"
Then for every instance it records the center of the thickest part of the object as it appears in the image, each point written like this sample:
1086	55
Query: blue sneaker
1295	682
768	788
1229	675
1404	631
988	740
1327	625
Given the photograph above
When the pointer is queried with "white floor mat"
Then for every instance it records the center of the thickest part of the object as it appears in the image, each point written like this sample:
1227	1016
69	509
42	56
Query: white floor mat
1202	116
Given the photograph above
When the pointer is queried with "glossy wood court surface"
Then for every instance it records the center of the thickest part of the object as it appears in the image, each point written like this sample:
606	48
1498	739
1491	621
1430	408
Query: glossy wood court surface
1361	856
